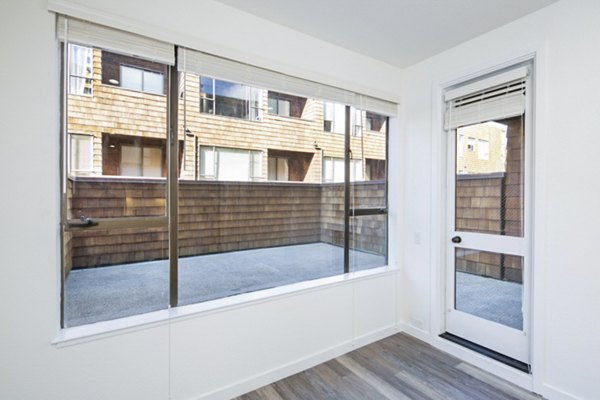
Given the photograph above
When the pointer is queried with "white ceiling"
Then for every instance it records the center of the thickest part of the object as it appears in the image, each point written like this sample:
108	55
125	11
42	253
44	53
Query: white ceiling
399	32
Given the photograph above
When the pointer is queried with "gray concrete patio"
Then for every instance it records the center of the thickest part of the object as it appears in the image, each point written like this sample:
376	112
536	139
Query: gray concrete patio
491	299
104	293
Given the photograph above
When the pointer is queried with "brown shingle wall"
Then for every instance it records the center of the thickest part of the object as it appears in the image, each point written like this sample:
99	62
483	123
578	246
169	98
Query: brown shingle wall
478	204
112	110
367	233
215	217
479	209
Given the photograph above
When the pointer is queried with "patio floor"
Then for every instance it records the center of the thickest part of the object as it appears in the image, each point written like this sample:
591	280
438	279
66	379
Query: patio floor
104	293
491	299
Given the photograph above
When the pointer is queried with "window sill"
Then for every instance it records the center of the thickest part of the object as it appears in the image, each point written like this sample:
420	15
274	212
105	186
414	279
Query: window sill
100	330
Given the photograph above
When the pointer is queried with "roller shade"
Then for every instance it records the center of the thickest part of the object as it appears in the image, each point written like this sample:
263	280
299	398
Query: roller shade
229	70
497	97
93	35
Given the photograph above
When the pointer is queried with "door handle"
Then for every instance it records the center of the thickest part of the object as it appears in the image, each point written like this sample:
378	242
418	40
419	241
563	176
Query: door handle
456	239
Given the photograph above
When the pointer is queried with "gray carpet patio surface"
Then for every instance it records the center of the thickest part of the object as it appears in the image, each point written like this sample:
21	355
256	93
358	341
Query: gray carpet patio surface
104	293
100	294
491	299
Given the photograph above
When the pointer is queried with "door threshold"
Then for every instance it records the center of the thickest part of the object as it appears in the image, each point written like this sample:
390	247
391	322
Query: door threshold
511	362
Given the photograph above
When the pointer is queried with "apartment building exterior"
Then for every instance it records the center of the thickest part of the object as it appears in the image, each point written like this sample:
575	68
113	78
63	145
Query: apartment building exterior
117	110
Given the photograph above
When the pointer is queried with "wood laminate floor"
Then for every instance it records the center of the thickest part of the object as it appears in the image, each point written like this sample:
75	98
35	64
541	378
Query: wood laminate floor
398	367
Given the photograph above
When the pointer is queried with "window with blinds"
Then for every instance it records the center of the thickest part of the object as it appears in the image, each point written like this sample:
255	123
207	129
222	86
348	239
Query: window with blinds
248	159
497	97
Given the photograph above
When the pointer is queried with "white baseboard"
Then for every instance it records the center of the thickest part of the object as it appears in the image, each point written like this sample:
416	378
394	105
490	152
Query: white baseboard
552	393
487	364
264	378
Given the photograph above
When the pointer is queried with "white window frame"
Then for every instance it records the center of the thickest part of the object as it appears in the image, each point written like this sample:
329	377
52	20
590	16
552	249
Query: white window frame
250	95
277	109
338	160
277	158
89	76
357	122
483	149
253	174
143	71
336	108
91	153
471	144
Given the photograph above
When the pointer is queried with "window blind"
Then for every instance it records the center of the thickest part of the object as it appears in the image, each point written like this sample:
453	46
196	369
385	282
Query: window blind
225	69
89	34
497	97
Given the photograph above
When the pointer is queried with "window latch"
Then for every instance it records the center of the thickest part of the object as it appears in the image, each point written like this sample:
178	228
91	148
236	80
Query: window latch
82	222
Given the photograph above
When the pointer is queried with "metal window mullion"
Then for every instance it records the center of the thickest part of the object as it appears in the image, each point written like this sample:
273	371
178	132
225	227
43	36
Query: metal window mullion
173	182
387	159
63	166
347	192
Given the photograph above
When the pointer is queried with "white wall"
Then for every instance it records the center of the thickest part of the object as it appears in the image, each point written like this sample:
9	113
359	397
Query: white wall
212	354
565	36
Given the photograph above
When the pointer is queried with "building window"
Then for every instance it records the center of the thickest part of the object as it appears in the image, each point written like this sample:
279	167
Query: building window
470	144
333	170
279	169
141	80
80	70
81	148
375	169
141	161
334	117
358	121
279	106
226	164
374	122
125	155
286	105
483	149
459	145
230	99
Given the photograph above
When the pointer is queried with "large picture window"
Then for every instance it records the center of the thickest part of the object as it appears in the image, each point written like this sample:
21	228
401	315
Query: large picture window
251	205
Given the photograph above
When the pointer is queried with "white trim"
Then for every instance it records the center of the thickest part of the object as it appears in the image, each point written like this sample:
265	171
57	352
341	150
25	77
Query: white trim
86	333
537	54
487	364
554	393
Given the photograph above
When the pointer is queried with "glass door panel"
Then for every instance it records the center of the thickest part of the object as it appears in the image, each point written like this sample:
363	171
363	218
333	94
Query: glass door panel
487	295
489	285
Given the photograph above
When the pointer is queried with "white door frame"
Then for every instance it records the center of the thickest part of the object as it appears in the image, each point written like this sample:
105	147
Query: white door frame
508	341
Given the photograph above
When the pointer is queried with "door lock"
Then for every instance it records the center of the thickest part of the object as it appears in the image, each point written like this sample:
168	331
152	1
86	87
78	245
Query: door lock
456	239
